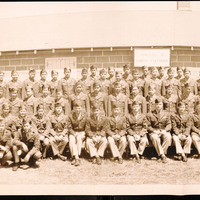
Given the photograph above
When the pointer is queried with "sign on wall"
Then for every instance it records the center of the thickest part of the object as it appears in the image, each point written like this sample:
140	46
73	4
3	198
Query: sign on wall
151	57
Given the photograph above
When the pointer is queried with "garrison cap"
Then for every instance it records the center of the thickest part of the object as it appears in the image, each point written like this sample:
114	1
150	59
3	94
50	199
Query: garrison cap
92	67
179	68
84	70
78	83
13	89
103	71
40	106
135	70
31	70
158	100
135	103
126	66
67	69
54	72
169	86
96	83
43	71
186	70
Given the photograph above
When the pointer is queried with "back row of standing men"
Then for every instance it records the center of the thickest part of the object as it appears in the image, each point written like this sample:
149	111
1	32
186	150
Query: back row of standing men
121	96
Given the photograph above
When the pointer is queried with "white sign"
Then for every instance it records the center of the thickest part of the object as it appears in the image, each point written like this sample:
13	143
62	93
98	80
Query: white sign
152	57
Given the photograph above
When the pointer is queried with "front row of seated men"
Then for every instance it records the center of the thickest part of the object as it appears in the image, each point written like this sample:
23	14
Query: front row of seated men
25	139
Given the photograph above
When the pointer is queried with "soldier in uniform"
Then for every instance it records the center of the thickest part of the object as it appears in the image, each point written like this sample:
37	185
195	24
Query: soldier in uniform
67	83
154	80
116	132
187	80
136	96
96	142
145	76
111	73
14	102
2	98
161	73
179	73
41	125
3	83
181	127
30	102
189	99
53	83
5	143
138	81
119	97
77	125
159	129
170	100
93	74
26	145
137	131
98	97
29	82
124	84
59	124
86	83
196	128
6	116
46	100
150	99
79	95
14	83
171	80
105	84
127	74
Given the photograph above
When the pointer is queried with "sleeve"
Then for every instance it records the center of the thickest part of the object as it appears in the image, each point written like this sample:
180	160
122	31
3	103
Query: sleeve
105	128
128	126
194	129
149	127
188	127
106	105
163	90
126	107
66	127
168	124
195	88
123	128
88	131
16	140
71	131
174	127
87	105
144	106
108	131
146	85
48	125
8	140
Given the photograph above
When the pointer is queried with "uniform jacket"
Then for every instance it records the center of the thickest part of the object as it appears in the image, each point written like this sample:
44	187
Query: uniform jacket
5	139
53	85
86	85
181	124
137	125
59	124
77	124
14	84
174	82
65	105
157	82
159	121
48	104
15	105
30	104
116	126
150	101
192	84
30	83
170	103
38	87
96	128
125	88
41	125
140	84
196	123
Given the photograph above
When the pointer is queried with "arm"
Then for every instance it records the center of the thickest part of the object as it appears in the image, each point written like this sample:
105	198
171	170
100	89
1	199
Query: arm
188	127
88	131
126	107
149	127
144	106
105	105
146	85
194	129
174	127
87	105
109	106
168	125
163	90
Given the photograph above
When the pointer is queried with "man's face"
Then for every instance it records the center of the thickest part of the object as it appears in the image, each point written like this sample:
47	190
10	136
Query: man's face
67	73
97	89
188	90
78	88
43	76
84	75
136	108
135	91
31	75
116	111
162	71
29	92
58	95
152	91
27	127
169	90
93	71
40	111
58	109
127	70
118	89
187	74
45	91
171	74
2	127
118	77
22	112
154	73
181	108
78	109
111	72
136	75
6	110
145	71
159	106
54	76
15	76
96	112
180	72
103	75
14	94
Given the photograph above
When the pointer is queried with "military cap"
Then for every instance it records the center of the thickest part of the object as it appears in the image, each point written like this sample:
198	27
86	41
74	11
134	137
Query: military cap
14	72
126	66
84	70
169	86
170	70
58	105
159	68
102	71
145	67
135	103
29	87
53	72
154	68
43	71
152	86
31	70
92	67
40	106
117	84
111	67
96	83
181	103
22	107
67	69
45	86
186	70
179	68
158	100
58	90
13	89
78	83
186	85
135	70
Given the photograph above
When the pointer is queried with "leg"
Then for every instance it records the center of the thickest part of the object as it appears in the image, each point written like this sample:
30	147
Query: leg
142	145
63	144
132	145
46	147
91	147
196	141
187	145
122	145
167	138
102	147
177	142
73	145
7	156
113	147
79	140
157	143
54	146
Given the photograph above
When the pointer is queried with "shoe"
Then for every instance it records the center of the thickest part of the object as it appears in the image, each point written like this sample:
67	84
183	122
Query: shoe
120	161
184	159
131	157
99	161
36	164
15	167
77	162
73	161
138	159
63	158
112	159
94	161
164	159
141	157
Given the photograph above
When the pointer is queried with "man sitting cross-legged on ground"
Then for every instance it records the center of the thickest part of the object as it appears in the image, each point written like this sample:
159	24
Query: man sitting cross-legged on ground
181	127
76	131
26	145
59	131
96	127
117	133
137	131
159	129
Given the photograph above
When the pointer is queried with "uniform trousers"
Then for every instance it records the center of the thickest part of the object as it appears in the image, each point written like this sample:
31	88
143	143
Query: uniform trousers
186	143
96	148
75	143
142	143
5	156
161	142
34	152
58	146
196	141
117	146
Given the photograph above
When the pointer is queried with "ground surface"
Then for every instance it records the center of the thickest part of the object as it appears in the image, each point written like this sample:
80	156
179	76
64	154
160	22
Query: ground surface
130	172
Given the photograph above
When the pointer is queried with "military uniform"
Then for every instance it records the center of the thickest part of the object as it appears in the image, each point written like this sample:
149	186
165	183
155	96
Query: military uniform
59	128
38	87
15	105
48	104
30	83
65	105
125	88
86	85
151	82
117	135
174	82
170	103
150	101
136	133
96	141
181	125
30	104
196	131
159	127
14	84
140	84
77	125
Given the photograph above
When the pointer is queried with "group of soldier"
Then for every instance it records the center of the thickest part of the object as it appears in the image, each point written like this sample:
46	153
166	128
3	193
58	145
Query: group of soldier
110	109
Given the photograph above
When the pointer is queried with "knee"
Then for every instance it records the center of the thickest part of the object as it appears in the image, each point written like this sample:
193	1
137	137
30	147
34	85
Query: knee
15	148
168	136
52	139
65	140
9	155
123	140
71	138
154	137
46	142
37	155
110	140
189	139
130	139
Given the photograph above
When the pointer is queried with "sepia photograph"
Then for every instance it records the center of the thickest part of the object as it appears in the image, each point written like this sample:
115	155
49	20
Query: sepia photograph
100	98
